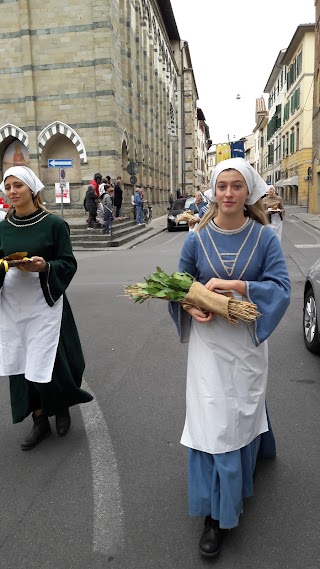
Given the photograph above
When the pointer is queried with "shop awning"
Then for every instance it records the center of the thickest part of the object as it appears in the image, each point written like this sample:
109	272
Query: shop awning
293	181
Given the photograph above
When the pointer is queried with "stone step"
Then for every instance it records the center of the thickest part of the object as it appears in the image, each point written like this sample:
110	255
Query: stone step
85	234
101	242
116	225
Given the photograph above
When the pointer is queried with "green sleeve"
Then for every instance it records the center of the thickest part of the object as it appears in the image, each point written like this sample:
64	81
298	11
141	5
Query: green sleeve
2	270
2	275
61	268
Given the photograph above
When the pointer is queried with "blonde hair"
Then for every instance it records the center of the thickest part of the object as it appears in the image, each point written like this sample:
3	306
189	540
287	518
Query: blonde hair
255	211
37	202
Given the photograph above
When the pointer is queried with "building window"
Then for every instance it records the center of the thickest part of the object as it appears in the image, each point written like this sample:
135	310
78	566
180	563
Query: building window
292	148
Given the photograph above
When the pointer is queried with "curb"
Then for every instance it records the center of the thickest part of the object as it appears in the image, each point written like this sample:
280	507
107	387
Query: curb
306	222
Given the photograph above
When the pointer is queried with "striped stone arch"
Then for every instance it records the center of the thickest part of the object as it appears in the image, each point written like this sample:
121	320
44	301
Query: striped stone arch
58	127
125	138
12	130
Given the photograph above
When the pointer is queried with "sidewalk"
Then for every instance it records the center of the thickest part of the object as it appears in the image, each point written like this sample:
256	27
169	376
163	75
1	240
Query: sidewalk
312	219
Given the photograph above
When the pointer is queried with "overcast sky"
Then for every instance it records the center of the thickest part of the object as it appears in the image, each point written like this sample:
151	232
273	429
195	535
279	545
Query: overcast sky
234	45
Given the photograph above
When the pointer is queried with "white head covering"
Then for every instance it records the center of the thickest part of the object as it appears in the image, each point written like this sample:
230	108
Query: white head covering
257	187
26	175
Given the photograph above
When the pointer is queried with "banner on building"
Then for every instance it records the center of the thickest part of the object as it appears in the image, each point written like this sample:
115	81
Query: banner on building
237	149
222	152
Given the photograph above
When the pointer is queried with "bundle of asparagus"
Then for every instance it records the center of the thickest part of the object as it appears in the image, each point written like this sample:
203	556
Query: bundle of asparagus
183	288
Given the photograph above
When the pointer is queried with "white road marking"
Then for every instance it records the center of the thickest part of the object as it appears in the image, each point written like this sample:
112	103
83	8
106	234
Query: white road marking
308	246
173	239
108	514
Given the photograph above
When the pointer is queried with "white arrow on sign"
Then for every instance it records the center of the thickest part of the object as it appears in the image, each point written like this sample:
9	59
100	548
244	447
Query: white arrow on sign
59	163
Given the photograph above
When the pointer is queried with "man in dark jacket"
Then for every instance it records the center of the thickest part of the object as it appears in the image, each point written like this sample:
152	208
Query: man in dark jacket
117	197
91	206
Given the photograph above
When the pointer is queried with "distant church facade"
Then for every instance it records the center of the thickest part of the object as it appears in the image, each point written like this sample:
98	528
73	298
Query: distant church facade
98	83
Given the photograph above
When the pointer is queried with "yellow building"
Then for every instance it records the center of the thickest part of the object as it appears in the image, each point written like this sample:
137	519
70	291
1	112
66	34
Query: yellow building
314	202
296	131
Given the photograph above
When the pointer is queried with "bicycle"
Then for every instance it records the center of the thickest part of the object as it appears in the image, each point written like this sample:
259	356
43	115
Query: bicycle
147	212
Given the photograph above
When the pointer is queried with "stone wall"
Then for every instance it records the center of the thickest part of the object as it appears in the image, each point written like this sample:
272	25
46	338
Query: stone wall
90	81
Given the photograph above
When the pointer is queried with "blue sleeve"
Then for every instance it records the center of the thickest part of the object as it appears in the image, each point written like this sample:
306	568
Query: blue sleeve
271	293
187	261
187	264
203	210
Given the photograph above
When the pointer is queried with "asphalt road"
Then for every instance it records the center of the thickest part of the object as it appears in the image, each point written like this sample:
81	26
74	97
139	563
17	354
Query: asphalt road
113	493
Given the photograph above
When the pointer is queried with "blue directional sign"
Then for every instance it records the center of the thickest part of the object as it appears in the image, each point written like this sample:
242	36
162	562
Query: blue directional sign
59	163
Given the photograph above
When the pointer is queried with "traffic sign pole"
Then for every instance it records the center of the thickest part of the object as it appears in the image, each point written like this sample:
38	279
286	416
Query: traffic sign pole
62	176
61	163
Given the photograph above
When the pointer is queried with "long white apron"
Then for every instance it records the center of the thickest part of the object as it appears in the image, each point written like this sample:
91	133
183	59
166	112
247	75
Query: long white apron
276	224
29	328
226	387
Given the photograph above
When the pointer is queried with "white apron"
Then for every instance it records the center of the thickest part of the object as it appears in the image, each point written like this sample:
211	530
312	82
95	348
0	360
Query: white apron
226	387
29	328
276	224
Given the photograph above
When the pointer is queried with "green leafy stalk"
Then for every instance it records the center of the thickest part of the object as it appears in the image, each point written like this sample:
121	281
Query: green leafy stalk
161	285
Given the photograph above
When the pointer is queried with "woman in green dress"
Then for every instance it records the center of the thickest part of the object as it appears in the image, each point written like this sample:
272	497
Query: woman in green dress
40	349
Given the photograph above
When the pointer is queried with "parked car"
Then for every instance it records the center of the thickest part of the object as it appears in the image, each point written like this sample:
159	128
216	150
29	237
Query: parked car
178	206
311	302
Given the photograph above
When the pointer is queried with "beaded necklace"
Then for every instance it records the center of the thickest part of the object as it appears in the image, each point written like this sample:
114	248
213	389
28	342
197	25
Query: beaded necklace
32	219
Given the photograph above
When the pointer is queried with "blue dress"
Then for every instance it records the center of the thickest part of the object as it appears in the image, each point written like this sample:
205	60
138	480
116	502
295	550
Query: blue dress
226	421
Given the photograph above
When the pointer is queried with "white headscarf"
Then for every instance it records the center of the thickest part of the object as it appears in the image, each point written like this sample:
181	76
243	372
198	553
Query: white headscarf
26	175
257	187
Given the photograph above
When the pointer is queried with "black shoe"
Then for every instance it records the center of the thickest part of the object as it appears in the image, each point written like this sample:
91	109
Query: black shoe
211	538
63	422
40	430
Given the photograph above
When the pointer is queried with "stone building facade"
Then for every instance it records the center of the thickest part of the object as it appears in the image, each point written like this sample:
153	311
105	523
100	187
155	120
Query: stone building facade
98	83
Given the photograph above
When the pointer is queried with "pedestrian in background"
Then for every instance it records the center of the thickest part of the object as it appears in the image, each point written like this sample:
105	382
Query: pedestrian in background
226	425
107	206
91	203
100	209
138	202
275	210
40	349
117	197
97	179
196	208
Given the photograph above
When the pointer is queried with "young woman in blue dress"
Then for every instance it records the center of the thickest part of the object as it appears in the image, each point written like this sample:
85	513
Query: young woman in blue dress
226	425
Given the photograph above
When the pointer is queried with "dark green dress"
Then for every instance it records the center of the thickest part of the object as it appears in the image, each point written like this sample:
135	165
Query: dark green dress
46	235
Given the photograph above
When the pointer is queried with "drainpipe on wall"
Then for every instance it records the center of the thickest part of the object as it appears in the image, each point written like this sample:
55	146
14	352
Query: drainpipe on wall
183	138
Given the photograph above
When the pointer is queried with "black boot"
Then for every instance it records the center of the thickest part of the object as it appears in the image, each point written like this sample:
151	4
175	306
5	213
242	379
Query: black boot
211	538
40	430
63	422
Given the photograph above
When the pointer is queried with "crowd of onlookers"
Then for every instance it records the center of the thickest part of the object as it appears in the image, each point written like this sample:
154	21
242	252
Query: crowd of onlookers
103	200
103	203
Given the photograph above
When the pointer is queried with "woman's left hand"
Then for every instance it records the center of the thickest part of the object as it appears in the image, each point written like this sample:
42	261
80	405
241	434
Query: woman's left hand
37	265
223	284
218	284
